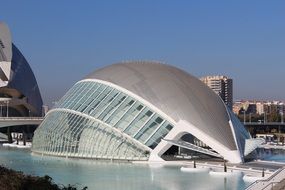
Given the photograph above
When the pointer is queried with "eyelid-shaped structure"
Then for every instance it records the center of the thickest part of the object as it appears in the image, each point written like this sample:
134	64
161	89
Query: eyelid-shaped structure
137	111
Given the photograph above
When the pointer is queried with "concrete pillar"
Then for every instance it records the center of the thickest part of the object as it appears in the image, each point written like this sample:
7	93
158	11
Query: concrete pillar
24	138
10	140
17	138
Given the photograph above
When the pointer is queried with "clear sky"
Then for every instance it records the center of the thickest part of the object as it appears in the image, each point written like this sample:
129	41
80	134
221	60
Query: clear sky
65	40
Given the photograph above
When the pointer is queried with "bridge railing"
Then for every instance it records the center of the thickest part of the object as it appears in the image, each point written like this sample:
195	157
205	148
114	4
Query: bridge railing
262	123
20	118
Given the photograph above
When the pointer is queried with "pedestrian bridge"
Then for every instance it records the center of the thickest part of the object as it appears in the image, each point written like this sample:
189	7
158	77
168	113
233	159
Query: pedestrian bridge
16	121
267	127
264	124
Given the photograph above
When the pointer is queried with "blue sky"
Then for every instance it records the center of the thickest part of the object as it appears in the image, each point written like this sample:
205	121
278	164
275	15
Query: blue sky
65	40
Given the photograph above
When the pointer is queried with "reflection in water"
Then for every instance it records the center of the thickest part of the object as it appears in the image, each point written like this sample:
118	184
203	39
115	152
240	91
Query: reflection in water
115	175
271	154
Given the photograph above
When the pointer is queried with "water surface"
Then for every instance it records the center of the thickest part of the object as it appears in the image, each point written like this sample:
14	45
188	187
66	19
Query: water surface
100	175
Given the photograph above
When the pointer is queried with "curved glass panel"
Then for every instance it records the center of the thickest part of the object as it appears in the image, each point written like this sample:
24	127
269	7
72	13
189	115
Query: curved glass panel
115	108
65	133
115	116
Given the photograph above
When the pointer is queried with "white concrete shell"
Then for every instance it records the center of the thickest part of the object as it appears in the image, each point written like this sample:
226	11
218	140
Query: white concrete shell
5	54
6	43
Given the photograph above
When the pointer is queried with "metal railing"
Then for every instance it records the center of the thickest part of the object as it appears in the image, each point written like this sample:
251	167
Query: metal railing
20	118
261	123
275	178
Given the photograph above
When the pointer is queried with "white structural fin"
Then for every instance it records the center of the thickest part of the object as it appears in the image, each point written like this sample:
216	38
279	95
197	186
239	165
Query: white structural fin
252	144
193	147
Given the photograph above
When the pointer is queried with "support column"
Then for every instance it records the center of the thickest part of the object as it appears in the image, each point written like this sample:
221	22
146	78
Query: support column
9	135
17	138
24	138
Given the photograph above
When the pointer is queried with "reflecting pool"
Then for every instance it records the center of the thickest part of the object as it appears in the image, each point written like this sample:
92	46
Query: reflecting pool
115	175
276	155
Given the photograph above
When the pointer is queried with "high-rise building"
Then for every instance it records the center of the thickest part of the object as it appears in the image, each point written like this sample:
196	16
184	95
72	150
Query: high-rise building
260	108
221	85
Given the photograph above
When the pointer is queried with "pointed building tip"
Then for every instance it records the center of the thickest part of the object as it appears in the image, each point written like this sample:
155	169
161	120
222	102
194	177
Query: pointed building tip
5	43
4	27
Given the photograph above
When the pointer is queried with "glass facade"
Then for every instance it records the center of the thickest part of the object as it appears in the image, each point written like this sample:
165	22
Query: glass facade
98	121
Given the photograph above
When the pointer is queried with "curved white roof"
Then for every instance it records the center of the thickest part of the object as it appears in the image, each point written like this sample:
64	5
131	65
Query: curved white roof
176	93
6	44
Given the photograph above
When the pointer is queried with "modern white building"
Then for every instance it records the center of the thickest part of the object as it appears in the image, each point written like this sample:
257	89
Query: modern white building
138	111
19	92
221	85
